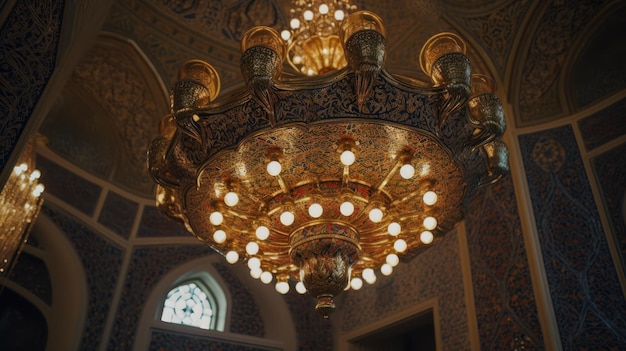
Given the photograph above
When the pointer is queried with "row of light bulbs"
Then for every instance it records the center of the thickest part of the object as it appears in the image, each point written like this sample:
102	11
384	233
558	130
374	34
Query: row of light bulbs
262	232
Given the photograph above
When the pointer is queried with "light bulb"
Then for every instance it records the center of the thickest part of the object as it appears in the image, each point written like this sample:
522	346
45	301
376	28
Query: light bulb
346	208
287	218
386	269
308	15
347	158
266	277
323	9
376	215
274	168
300	288
430	198
262	232
407	171
392	259
216	218
282	287
285	34
356	283
426	237
256	272
35	175
254	262
369	276
219	236
231	198
430	223
38	190
294	23
297	59
232	257
316	210
252	248
339	15
400	245
394	228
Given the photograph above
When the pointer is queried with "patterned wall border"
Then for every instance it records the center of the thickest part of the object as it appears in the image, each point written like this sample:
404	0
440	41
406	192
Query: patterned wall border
586	294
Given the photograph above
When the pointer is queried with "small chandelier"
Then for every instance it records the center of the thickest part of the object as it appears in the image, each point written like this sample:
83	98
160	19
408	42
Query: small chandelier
321	183
313	43
20	202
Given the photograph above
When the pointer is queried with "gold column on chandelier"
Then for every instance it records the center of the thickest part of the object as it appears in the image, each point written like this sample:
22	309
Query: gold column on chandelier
20	202
320	183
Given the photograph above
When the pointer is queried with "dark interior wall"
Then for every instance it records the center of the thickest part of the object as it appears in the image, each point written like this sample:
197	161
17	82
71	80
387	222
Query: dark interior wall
22	326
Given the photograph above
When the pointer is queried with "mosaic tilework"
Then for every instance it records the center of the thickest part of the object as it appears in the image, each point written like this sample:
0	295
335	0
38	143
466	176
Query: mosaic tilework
497	31
165	341
610	169
101	261
434	273
313	332
604	126
67	186
505	304
586	295
245	317
147	265
31	273
559	25
28	42
155	225
118	214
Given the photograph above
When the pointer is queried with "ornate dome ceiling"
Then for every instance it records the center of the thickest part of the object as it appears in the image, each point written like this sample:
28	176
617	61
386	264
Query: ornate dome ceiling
543	55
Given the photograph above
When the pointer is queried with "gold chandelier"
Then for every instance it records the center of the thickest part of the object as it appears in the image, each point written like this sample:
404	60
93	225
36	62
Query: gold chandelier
313	43
20	202
322	182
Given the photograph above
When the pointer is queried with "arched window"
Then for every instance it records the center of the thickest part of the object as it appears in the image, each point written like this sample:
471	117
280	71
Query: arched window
191	303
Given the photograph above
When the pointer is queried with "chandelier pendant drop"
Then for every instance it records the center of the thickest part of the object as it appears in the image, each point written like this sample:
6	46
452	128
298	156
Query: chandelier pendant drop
323	183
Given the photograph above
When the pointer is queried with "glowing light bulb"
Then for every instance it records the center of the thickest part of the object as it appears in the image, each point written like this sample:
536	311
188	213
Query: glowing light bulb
323	9
294	23
426	237
300	288
231	199
297	59
254	262
266	277
274	168
285	34
392	259
38	190
35	175
386	269
369	276
356	283
287	218
400	245
394	228
376	215
430	223
232	257
219	236
339	15
252	248
262	232
407	171
216	218
316	210
347	158
256	272
346	208
308	15
282	287
430	198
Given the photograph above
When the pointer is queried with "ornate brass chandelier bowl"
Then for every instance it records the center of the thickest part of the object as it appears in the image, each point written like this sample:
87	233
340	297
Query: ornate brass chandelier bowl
322	181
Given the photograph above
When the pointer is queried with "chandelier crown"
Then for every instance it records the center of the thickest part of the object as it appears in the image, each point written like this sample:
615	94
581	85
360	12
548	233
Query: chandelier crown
320	182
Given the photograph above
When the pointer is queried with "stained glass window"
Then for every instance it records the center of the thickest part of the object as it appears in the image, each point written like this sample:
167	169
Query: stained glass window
189	304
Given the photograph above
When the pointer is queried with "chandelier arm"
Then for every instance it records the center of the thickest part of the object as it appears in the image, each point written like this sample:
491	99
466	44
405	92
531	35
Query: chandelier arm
390	174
